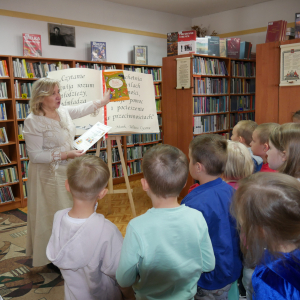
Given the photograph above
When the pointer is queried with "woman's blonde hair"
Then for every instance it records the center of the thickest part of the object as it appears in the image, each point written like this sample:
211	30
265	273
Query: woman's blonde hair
286	137
239	162
42	88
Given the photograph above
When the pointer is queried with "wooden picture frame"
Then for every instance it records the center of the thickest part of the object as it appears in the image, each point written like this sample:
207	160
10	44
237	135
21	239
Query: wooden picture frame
289	65
61	35
140	55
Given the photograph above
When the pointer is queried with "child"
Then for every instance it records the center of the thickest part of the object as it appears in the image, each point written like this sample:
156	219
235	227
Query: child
296	117
283	154
242	132
84	245
239	164
208	157
260	143
166	249
267	209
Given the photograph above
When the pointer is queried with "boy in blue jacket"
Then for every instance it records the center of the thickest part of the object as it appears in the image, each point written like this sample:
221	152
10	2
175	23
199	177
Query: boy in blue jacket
208	157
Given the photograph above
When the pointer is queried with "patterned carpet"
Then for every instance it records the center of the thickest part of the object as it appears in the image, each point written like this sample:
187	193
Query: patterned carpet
18	279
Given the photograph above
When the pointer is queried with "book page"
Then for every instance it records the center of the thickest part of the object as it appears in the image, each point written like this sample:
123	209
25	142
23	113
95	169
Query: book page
91	136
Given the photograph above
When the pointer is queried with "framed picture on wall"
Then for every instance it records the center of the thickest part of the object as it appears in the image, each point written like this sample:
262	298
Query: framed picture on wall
289	65
140	55
61	35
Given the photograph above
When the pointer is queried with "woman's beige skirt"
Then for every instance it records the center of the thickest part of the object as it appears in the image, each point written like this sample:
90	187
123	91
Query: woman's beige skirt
46	195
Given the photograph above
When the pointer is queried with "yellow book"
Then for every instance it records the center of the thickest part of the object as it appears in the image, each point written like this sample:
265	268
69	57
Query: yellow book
25	69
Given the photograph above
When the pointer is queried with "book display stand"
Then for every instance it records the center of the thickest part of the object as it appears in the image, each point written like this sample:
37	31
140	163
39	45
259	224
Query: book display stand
128	190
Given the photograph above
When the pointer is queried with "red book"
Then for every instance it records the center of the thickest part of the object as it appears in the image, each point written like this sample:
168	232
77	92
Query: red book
32	45
233	47
186	36
274	31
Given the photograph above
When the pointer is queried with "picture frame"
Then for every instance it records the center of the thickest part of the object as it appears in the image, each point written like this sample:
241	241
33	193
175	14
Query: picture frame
289	65
61	35
140	55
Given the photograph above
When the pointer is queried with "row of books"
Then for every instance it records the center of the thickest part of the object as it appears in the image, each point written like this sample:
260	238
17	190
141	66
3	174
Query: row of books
209	66
24	168
25	189
240	103
143	138
157	90
23	150
22	110
3	114
6	194
95	66
3	90
235	118
210	86
9	175
137	152
134	167
4	158
243	69
23	90
242	86
158	104
3	136
205	124
3	69
25	69
205	105
156	72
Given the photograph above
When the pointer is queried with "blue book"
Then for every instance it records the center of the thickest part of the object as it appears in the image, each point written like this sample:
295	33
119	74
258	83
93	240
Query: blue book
98	51
213	45
242	50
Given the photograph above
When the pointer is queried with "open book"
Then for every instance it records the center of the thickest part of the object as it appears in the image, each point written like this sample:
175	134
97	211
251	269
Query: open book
91	136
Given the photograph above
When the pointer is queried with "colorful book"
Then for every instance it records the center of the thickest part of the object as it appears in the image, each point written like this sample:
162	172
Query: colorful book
202	46
172	48
115	82
233	47
213	45
32	45
186	47
297	26
98	51
223	47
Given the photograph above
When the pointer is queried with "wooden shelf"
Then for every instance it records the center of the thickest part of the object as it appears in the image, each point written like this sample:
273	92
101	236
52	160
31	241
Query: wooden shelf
9	183
211	114
9	164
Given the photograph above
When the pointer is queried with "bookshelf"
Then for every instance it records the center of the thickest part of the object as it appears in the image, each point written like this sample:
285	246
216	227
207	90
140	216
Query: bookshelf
15	92
222	93
274	103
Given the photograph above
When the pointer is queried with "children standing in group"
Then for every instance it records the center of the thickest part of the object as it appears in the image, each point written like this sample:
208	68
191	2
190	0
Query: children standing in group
242	132
260	143
267	209
84	245
208	157
284	151
166	249
239	163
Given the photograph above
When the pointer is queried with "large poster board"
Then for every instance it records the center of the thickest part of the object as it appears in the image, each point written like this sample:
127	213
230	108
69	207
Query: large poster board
290	65
137	115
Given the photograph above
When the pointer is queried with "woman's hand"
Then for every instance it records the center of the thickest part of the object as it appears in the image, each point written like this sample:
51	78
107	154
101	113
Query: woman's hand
106	98
74	153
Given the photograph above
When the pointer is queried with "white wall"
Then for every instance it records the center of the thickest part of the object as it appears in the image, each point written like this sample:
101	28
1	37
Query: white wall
119	45
250	18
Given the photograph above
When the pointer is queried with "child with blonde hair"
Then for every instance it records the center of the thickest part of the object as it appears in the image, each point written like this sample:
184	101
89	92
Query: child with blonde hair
242	132
239	163
296	117
267	210
283	154
84	245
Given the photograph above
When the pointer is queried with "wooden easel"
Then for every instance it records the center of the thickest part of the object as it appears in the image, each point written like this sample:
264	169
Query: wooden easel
124	167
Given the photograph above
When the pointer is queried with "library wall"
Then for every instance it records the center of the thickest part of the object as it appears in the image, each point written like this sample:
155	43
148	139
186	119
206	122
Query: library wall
251	17
119	45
